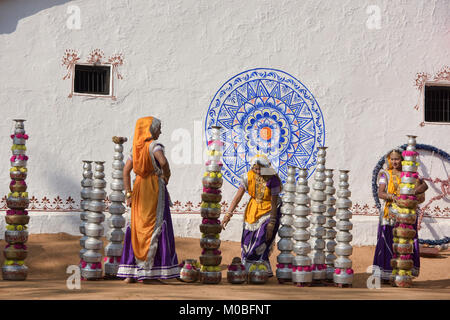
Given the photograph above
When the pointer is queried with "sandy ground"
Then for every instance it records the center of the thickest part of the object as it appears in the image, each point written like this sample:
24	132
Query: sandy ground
50	254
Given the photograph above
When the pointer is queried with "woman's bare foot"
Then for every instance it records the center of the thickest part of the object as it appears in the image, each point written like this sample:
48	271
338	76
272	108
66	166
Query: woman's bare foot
129	280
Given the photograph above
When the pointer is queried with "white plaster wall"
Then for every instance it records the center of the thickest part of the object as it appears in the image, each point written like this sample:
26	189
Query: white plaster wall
179	53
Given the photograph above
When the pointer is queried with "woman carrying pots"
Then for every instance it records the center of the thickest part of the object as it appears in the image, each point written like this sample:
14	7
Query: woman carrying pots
262	214
149	246
389	181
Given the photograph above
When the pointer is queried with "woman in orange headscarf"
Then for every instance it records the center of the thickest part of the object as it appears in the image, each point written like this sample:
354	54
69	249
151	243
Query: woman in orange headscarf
388	189
149	247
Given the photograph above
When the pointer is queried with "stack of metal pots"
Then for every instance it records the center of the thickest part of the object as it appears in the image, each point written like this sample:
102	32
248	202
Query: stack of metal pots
210	228
86	187
330	223
318	207
301	269
285	244
343	272
113	250
16	234
92	265
405	218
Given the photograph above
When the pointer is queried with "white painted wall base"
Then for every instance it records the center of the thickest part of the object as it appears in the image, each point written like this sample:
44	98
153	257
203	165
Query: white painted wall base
186	226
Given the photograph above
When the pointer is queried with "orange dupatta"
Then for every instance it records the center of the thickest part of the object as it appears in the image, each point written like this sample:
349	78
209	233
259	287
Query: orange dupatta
145	190
259	203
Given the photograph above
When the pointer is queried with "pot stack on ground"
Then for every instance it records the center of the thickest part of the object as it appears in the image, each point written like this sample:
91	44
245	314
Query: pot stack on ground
86	188
301	269
92	264
113	250
17	218
317	219
405	217
330	223
210	228
343	272
285	244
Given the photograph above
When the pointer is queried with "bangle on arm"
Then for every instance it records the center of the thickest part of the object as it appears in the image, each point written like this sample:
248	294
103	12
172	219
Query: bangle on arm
128	194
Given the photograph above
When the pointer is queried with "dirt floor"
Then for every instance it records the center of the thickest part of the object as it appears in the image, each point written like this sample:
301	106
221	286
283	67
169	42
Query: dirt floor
50	254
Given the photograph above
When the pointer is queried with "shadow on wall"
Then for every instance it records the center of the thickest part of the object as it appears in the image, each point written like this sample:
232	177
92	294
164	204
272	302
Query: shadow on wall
11	11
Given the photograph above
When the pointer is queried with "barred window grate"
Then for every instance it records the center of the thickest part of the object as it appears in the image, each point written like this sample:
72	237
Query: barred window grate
92	79
437	104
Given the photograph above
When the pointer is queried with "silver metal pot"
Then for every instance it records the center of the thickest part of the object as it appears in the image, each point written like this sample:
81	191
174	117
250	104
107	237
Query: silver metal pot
285	258
14	272
342	262
302	198
93	244
343	249
95	217
301	222
285	231
302	211
94	230
317	219
344	225
287	208
91	256
302	261
301	235
113	249
115	235
344	236
210	260
284	273
302	276
407	191
343	278
301	248
117	196
317	244
285	244
116	221
409	168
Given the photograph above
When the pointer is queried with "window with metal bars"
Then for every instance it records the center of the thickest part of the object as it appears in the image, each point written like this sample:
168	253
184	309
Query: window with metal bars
92	79
437	104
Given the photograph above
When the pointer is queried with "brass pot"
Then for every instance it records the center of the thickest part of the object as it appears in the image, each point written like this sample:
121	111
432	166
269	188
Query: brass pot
209	243
17	175
403	248
12	253
18	187
404	233
210	277
214	183
210	213
210	260
17	219
210	228
405	264
211	197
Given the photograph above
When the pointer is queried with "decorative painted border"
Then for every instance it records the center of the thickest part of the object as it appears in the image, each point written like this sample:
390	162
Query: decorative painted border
57	204
422	78
71	58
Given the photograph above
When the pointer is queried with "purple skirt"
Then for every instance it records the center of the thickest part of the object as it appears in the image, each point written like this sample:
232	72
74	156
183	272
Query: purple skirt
165	263
384	251
255	247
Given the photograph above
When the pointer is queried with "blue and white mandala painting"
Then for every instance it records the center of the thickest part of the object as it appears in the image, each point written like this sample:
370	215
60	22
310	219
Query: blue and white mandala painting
266	111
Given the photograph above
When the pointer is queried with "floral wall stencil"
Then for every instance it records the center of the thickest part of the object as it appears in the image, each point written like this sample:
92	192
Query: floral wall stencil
422	78
96	57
